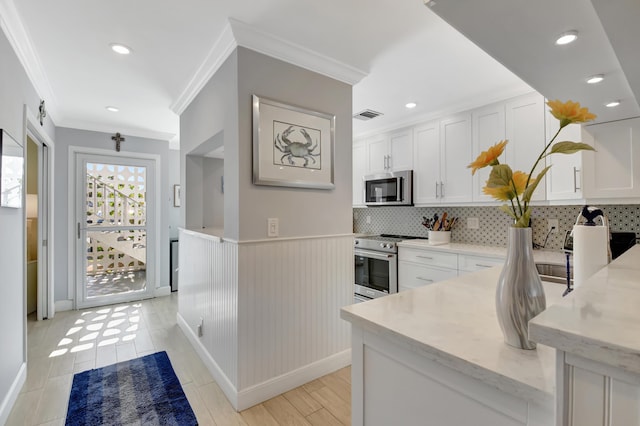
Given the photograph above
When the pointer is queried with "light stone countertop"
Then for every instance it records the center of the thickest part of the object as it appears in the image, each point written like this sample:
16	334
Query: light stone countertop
545	256
454	323
600	319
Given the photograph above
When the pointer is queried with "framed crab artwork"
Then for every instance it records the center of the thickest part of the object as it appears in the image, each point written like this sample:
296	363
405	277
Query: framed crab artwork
292	146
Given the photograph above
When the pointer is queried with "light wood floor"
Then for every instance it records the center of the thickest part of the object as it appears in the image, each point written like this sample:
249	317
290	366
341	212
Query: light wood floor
80	340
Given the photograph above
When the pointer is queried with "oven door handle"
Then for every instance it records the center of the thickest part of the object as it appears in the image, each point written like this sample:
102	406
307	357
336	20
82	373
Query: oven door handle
374	255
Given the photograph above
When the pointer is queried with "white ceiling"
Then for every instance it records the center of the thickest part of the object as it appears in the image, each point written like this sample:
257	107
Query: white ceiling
406	51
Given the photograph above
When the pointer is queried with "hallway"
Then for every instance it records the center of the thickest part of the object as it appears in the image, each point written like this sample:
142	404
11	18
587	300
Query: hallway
76	341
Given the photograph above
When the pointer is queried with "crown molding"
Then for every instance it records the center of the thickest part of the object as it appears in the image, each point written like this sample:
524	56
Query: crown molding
222	48
236	34
18	37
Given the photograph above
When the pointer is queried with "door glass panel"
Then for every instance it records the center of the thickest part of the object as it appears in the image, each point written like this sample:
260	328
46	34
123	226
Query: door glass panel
372	273
115	233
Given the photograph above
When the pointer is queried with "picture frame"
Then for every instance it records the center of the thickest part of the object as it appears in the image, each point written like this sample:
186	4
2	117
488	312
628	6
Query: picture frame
292	146
11	171
176	195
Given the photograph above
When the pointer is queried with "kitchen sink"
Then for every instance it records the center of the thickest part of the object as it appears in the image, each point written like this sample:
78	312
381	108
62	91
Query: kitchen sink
552	272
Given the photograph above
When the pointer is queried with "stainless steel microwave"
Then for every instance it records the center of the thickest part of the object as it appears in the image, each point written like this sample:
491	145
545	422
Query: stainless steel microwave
389	189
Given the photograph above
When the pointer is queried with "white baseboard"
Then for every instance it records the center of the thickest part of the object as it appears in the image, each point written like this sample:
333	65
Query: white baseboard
218	375
270	388
64	305
162	291
291	380
11	396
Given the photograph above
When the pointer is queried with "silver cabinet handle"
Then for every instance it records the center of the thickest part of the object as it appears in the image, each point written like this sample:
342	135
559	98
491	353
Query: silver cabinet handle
424	257
482	266
442	189
386	162
575	179
424	279
78	230
436	189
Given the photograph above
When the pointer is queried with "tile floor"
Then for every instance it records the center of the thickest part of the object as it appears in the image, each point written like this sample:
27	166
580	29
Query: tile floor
80	340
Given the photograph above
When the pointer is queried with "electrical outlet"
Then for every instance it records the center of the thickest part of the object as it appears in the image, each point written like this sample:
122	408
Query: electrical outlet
552	226
473	223
273	227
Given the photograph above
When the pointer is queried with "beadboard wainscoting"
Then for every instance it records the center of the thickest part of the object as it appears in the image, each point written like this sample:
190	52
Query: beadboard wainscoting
493	222
270	310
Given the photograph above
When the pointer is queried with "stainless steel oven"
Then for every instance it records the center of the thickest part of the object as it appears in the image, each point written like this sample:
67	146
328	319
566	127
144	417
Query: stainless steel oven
376	273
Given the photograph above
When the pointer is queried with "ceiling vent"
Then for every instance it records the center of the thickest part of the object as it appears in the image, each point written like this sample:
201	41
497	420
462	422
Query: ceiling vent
367	114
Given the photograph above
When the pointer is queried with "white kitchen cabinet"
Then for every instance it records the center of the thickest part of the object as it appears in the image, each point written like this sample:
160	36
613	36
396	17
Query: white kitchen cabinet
419	267
473	263
488	129
524	117
359	170
564	178
388	153
613	171
443	151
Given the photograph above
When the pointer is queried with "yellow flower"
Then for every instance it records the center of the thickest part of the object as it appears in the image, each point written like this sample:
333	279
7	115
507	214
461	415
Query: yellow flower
570	112
488	157
507	192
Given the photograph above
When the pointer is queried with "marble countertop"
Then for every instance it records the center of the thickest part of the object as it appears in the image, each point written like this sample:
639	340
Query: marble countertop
454	323
546	256
600	319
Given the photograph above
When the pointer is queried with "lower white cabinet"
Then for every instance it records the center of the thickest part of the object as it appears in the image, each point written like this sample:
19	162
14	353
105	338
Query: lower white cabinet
422	266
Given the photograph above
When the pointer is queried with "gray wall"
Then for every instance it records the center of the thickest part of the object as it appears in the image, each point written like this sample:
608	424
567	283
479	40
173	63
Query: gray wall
224	104
65	138
174	179
15	92
212	196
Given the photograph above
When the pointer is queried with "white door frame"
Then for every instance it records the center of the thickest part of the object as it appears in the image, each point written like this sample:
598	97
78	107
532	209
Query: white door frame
72	191
45	293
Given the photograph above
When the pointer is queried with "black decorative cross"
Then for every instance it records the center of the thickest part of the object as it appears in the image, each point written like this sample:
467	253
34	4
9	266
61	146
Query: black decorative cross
118	138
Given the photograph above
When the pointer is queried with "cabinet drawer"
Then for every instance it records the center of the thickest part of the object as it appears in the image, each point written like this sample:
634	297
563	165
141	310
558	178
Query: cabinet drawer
411	275
429	257
470	263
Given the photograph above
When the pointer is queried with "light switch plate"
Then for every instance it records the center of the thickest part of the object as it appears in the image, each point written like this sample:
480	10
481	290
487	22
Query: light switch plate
273	227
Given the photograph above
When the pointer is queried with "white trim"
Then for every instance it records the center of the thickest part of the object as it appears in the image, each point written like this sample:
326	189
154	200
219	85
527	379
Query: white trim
221	50
238	33
108	128
11	397
281	384
279	48
71	181
64	305
162	291
270	388
18	37
221	379
219	239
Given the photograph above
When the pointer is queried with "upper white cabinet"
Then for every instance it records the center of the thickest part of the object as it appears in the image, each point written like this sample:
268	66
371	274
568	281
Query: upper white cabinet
389	153
488	129
359	170
442	152
524	117
564	178
613	171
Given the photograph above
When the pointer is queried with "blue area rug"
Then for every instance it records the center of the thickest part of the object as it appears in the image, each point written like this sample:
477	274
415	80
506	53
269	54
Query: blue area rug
142	391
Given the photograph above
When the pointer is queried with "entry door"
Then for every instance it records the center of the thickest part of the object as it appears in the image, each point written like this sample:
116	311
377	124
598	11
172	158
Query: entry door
115	225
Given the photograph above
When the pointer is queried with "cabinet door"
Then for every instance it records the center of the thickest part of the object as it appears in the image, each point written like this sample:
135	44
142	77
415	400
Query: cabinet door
564	178
455	156
613	171
401	151
426	171
378	155
359	170
488	129
525	132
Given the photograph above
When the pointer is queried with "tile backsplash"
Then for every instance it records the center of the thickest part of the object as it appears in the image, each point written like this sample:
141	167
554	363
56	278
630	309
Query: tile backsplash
493	222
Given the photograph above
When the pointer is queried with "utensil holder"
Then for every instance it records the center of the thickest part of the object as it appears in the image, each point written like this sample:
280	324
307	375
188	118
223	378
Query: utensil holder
439	237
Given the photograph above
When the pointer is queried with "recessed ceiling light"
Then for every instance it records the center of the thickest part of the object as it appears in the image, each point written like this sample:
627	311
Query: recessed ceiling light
595	79
612	104
112	108
567	37
411	105
120	48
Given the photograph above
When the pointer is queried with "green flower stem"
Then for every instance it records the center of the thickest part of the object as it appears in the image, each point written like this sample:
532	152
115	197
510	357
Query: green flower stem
540	158
515	191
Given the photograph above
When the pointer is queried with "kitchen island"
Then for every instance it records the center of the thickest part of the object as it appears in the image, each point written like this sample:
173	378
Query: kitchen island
435	355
